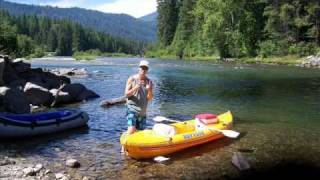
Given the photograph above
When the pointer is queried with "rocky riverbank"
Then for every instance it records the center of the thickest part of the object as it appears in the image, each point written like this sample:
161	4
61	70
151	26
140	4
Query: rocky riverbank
19	168
23	87
311	61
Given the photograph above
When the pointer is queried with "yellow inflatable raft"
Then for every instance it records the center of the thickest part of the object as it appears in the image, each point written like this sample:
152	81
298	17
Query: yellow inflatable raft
147	144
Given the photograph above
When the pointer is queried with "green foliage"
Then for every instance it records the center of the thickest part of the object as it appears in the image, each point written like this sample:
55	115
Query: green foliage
233	28
25	46
268	48
303	49
167	20
8	35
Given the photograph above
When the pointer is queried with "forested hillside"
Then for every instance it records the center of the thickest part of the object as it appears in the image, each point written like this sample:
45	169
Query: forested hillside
115	24
233	28
150	17
32	35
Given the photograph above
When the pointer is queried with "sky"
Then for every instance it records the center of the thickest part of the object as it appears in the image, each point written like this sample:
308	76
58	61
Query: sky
135	8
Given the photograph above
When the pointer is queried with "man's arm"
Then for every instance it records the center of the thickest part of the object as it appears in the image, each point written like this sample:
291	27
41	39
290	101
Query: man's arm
150	91
129	91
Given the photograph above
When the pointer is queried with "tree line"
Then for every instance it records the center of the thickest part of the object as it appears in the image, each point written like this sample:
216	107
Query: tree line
238	28
24	35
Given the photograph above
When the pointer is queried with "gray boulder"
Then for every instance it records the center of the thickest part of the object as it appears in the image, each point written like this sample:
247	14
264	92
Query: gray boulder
2	64
60	97
19	66
37	95
13	100
19	84
87	94
9	73
74	90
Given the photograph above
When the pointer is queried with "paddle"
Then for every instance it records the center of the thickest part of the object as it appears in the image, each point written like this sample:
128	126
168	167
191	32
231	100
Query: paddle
227	133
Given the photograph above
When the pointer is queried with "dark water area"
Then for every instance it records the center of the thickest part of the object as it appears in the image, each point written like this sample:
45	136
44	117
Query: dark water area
276	109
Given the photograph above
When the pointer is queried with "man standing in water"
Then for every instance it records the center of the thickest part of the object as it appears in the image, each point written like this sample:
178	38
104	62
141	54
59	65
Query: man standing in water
138	92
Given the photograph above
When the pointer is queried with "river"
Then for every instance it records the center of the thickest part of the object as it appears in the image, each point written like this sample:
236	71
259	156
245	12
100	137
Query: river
276	109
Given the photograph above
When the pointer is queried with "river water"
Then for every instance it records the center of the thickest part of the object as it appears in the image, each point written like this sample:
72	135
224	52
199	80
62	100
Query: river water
276	109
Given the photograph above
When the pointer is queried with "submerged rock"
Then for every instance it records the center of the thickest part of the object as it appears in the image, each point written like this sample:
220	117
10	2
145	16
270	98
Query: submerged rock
240	161
72	163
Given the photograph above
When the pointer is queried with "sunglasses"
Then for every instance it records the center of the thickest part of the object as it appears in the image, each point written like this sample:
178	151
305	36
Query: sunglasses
145	68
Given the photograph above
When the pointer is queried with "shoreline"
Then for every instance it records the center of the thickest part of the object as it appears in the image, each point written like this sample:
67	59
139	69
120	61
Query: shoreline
273	61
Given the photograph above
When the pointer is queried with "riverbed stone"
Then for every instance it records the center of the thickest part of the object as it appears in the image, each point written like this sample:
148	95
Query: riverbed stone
29	171
61	176
6	161
38	167
72	163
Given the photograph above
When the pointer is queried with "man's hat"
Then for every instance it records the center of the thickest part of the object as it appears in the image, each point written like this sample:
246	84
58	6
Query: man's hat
144	63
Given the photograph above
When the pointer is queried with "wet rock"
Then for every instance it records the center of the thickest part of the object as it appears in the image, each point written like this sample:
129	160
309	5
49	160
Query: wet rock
19	66
2	65
87	94
49	176
6	161
38	167
72	163
47	171
61	176
85	178
240	161
29	171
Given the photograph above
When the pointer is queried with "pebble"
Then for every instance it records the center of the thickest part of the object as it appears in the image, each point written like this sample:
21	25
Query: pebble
61	176
6	162
38	167
29	171
72	163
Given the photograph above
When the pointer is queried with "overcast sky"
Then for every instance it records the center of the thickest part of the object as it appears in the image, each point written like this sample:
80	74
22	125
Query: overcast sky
136	8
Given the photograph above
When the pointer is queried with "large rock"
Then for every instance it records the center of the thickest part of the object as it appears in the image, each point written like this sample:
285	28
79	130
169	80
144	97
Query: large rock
19	66
74	90
37	95
45	79
87	94
60	97
13	100
9	73
2	64
67	93
19	84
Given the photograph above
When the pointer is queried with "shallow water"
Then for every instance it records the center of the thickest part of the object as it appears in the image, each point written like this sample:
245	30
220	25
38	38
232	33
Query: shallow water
276	109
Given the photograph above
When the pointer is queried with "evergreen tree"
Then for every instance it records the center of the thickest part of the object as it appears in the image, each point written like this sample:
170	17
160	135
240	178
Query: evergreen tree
167	20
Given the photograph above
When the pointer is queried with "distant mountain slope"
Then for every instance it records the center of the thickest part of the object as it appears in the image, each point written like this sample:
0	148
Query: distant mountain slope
150	17
115	24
